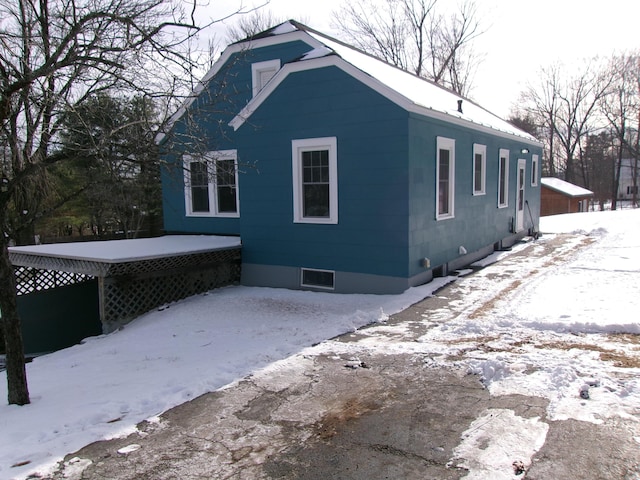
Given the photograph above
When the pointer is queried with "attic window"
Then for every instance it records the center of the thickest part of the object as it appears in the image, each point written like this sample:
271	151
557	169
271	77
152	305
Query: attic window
262	72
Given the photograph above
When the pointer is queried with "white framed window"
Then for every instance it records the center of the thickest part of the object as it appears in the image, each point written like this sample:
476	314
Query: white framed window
534	170
445	177
211	184
503	178
479	169
317	278
315	180
262	72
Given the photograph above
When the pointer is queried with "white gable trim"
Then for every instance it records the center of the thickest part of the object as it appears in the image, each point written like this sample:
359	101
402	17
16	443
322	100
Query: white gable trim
376	85
222	60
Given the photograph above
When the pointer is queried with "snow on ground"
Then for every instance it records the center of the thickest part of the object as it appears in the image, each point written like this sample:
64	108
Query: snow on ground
534	326
107	385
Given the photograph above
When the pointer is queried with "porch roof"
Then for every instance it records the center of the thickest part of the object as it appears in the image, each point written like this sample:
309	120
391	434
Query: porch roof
119	257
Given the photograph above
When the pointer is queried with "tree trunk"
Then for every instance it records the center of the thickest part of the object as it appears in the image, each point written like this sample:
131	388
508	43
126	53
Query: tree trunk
616	178
18	392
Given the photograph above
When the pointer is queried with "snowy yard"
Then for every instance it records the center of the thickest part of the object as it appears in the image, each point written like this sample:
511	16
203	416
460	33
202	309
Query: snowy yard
553	334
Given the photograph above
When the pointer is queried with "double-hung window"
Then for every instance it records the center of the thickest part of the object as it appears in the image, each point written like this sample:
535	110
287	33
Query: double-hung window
315	180
445	177
503	178
479	168
211	184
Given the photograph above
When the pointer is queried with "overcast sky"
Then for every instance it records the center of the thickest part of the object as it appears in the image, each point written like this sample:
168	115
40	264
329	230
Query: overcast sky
521	36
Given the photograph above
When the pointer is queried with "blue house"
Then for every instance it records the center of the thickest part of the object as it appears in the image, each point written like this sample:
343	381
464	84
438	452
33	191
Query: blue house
340	172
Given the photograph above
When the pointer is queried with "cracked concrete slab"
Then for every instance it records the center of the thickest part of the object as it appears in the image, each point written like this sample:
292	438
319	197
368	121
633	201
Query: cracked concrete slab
324	414
394	419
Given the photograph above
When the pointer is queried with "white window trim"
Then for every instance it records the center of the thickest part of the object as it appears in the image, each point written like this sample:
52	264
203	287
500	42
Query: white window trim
210	159
503	153
535	165
258	68
323	287
310	144
481	150
443	143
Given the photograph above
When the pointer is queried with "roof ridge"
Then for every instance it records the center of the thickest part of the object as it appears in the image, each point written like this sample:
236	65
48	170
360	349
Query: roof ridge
305	28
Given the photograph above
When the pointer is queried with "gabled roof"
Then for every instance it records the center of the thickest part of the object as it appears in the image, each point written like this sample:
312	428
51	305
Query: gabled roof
409	91
413	93
566	188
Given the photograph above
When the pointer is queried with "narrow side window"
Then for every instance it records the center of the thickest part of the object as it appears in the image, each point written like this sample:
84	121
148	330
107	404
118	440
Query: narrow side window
445	177
503	178
479	168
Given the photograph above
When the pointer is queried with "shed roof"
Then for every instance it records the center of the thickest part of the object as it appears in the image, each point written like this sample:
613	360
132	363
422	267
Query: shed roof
566	188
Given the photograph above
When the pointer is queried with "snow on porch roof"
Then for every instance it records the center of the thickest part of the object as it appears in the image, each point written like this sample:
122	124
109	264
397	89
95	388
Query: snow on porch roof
566	188
410	91
131	250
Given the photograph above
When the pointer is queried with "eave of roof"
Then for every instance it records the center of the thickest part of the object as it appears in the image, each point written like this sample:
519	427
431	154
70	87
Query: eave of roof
413	93
566	188
258	41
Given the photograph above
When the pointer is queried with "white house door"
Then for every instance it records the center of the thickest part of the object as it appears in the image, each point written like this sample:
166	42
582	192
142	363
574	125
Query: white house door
522	167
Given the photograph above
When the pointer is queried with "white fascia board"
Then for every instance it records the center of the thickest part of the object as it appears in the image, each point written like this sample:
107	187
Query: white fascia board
222	60
376	85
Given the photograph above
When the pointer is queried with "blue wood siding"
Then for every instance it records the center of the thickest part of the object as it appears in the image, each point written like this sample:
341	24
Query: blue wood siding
477	221
205	128
386	160
371	132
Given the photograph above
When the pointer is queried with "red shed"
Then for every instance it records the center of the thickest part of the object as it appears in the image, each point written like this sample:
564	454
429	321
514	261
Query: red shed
558	196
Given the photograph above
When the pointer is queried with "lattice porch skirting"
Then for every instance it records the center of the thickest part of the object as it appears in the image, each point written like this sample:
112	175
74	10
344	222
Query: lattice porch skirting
131	288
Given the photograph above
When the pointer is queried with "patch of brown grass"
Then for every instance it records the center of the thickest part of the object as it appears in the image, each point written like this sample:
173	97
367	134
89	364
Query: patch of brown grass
619	359
625	338
490	304
483	339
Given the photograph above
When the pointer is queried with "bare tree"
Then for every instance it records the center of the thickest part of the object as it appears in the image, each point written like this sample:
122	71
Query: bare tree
566	107
252	23
55	54
578	99
598	165
414	36
539	102
621	107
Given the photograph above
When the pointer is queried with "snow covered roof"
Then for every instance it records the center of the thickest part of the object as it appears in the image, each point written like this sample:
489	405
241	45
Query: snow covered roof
567	188
121	251
411	92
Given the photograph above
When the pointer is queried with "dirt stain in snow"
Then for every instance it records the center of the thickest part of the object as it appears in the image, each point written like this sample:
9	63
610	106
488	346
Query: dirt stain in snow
336	418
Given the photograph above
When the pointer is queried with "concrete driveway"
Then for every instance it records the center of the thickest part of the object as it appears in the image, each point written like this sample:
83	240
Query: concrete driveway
383	414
